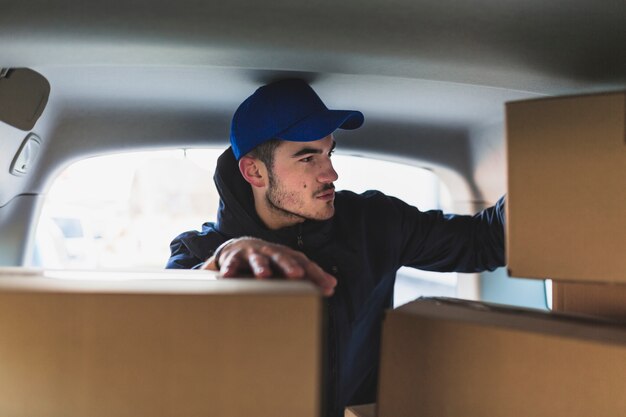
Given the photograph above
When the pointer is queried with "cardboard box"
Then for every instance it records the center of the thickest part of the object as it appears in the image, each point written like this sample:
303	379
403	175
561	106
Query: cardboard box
605	300
567	188
115	345
454	358
365	410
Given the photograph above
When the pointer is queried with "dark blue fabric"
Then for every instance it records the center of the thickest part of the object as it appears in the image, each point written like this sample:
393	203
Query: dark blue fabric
287	109
363	245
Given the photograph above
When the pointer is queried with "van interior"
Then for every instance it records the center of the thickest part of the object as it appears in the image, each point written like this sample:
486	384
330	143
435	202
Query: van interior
84	81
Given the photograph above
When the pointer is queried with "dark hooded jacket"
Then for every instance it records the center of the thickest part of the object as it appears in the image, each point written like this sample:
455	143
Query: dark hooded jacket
370	236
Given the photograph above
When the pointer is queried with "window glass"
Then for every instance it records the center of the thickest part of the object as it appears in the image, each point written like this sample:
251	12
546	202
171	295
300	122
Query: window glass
129	206
121	211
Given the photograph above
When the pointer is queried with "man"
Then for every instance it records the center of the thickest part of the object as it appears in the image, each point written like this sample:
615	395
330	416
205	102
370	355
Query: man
279	215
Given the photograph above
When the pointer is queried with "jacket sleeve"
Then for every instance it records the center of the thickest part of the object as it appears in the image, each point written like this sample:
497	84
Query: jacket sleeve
453	243
190	249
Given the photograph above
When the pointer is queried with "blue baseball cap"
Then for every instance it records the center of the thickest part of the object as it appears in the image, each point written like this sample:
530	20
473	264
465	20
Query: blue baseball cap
288	110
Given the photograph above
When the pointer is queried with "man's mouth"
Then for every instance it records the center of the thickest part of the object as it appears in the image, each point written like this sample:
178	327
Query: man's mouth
327	194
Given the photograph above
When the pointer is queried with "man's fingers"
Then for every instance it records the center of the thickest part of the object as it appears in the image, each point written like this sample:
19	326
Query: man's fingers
264	259
234	264
259	264
288	265
321	278
242	262
296	265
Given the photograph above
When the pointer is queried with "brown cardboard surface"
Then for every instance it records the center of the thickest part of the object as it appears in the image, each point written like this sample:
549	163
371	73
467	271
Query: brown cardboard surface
605	300
157	282
446	358
365	410
566	200
102	350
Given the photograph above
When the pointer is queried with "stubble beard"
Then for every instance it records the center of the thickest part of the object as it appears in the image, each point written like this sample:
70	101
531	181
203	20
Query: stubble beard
276	196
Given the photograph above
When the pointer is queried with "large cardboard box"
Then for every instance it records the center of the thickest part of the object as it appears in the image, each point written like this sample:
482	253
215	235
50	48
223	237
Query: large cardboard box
567	188
181	345
454	358
597	299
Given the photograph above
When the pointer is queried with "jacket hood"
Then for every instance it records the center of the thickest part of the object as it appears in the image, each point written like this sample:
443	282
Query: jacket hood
237	215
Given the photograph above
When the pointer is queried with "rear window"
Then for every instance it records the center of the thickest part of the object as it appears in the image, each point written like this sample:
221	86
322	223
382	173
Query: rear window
121	211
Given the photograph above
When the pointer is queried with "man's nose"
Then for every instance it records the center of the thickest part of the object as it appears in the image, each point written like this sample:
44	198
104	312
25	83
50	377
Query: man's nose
328	174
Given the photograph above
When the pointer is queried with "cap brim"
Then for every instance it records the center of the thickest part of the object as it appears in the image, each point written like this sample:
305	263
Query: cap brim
322	124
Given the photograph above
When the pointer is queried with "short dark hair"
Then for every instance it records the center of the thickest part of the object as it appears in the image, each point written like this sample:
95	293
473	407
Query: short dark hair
265	152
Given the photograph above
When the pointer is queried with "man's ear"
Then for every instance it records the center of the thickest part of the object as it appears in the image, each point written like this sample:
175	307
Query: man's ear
253	171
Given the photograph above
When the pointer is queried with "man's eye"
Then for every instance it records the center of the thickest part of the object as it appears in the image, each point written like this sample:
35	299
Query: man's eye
307	159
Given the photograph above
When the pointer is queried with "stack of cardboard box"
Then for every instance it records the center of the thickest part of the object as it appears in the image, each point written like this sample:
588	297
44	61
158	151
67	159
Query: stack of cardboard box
567	199
566	220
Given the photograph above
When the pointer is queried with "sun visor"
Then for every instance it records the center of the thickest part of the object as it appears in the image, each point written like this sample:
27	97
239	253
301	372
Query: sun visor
23	97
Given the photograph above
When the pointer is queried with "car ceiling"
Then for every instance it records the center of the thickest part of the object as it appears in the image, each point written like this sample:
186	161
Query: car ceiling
434	70
529	45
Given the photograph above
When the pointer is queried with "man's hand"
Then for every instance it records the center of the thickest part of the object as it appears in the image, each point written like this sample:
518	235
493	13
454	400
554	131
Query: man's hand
265	260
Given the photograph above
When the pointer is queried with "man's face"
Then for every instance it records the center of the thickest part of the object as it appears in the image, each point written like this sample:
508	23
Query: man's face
301	181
